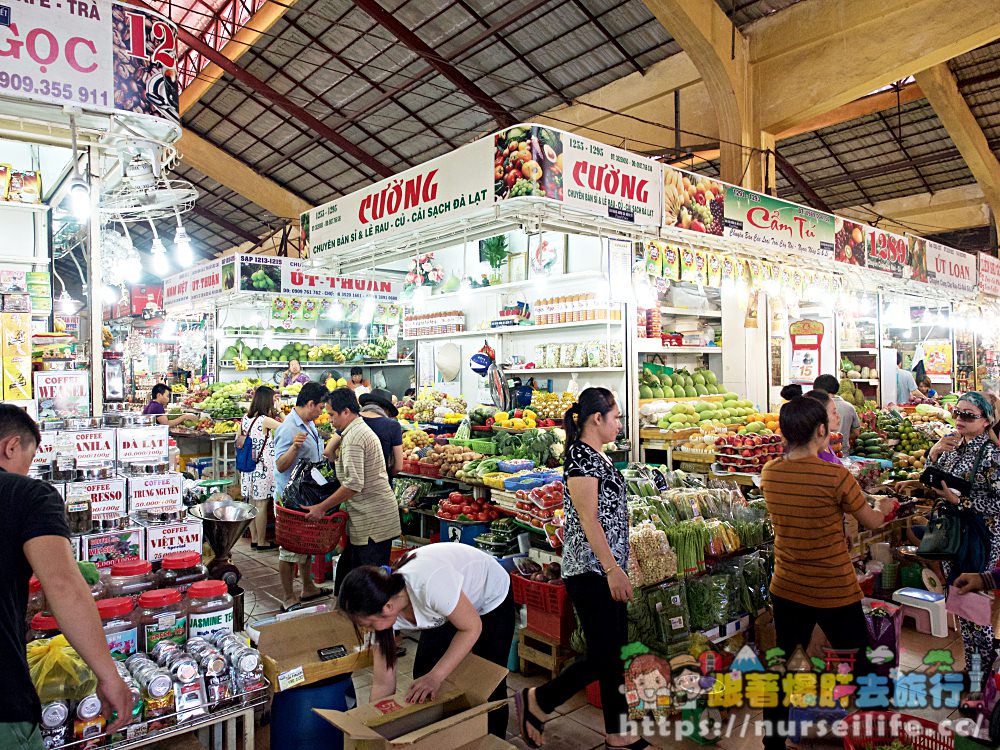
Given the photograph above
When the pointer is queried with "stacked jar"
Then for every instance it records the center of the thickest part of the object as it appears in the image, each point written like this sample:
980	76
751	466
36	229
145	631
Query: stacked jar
210	609
163	617
178	570
119	620
130	579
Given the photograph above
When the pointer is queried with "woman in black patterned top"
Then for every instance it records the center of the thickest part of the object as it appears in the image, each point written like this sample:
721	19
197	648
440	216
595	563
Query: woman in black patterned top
595	558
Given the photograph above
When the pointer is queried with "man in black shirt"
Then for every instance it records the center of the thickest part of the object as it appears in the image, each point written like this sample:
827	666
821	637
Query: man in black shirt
36	538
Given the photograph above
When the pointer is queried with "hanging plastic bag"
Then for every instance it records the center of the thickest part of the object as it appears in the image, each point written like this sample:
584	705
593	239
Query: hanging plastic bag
58	672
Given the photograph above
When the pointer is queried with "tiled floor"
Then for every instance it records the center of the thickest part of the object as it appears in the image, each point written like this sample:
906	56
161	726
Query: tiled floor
577	725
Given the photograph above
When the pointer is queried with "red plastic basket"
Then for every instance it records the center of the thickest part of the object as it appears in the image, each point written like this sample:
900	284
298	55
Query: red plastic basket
556	626
877	728
545	597
594	694
430	470
296	532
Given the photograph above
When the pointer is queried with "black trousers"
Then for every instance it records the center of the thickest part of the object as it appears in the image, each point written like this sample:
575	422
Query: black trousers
605	626
844	627
356	555
493	645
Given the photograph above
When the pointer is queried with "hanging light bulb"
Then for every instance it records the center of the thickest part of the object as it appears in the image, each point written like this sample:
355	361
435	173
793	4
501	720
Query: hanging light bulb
66	303
79	199
182	244
160	263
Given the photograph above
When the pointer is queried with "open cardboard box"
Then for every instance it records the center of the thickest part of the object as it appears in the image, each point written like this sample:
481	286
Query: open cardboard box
456	718
290	649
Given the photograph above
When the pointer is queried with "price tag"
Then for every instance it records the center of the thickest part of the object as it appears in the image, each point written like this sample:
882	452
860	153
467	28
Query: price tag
291	678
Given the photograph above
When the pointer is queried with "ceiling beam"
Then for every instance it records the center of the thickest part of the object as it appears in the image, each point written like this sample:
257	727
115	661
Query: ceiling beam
457	78
942	92
792	175
227	170
817	55
241	42
360	156
224	223
928	213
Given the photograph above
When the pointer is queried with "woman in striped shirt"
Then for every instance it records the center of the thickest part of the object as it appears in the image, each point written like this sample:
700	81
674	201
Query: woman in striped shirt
814	582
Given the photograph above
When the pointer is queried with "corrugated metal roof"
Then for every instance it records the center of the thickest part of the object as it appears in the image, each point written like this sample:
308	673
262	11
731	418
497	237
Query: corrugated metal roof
529	56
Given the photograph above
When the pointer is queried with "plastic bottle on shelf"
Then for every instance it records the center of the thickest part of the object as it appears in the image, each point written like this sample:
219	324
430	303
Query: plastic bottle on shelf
175	455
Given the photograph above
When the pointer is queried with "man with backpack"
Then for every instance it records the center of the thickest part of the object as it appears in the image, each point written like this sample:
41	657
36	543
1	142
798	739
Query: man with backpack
295	441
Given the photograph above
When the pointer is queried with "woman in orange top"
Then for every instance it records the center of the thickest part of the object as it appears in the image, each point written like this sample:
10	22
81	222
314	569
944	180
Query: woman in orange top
814	581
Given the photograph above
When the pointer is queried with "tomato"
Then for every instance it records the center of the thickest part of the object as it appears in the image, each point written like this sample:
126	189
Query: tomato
455	497
467	509
521	495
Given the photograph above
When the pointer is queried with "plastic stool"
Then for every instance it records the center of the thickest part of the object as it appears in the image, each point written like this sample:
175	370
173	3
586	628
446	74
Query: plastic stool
916	600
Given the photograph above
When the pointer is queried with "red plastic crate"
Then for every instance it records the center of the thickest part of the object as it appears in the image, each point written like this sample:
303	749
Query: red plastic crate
554	625
594	694
928	738
545	597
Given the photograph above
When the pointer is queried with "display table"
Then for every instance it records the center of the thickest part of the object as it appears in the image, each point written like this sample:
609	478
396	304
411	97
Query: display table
221	461
219	731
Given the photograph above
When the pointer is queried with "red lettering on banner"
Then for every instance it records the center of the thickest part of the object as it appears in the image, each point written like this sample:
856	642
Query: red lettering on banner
610	180
397	196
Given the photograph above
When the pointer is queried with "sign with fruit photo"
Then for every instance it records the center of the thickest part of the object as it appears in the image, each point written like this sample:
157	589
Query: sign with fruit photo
773	223
849	245
693	202
528	162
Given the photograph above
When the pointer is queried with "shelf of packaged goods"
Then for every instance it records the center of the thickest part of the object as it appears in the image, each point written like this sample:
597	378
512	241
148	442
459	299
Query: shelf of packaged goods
289	336
651	346
228	365
685	313
559	370
515	330
515	285
862	350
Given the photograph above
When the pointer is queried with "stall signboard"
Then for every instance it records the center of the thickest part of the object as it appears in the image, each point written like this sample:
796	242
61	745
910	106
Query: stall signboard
155	493
989	275
260	273
146	300
206	281
449	187
99	56
887	252
177	289
605	180
297	279
776	224
164	539
143	444
95	445
62	394
947	267
105	549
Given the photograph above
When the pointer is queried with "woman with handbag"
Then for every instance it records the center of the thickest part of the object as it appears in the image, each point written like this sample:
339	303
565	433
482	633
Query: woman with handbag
257	485
972	453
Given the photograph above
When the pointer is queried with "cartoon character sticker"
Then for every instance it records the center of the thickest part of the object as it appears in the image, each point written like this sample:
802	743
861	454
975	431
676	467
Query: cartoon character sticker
647	681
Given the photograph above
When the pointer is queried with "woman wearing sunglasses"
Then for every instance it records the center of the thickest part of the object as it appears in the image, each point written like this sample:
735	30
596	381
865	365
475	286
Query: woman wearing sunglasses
973	452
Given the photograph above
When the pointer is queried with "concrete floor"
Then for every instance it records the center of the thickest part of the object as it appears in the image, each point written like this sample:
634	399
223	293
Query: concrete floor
578	725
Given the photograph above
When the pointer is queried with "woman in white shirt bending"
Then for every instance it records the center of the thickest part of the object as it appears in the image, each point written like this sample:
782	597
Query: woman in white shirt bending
457	595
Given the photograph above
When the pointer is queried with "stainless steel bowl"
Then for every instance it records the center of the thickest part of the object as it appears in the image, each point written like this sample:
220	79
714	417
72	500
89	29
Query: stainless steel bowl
97	470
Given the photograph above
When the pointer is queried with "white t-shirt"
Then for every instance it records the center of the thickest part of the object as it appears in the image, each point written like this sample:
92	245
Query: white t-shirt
439	573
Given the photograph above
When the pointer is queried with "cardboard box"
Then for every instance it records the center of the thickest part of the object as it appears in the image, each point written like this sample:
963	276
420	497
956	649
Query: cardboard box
456	717
289	649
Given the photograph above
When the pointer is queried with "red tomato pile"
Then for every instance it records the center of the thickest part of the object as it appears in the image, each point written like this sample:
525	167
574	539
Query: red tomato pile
459	507
538	506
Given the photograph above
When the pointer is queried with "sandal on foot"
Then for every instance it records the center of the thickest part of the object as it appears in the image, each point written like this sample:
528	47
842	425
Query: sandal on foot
639	744
525	717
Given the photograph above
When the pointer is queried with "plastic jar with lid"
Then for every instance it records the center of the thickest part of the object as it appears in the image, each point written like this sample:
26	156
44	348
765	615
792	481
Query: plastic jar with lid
210	609
174	454
43	626
130	578
178	570
36	599
118	618
162	617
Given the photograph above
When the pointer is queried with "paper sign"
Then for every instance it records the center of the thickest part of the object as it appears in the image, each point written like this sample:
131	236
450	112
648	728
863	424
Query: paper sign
106	496
105	549
95	445
46	452
172	537
62	394
291	678
158	493
949	268
989	274
143	444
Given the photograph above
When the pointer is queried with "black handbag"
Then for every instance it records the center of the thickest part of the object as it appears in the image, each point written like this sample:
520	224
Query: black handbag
943	537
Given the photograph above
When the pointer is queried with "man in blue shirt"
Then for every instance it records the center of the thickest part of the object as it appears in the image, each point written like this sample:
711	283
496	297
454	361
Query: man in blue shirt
295	441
